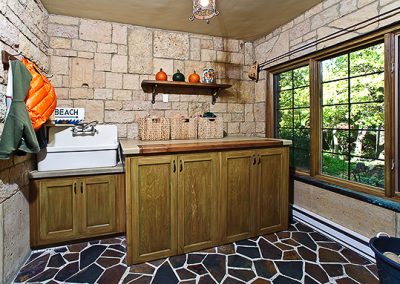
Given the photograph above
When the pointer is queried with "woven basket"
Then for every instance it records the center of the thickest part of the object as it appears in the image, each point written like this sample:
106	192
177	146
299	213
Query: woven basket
153	129
210	128
183	128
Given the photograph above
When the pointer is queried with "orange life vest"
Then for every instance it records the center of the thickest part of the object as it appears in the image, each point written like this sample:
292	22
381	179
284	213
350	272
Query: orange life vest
41	100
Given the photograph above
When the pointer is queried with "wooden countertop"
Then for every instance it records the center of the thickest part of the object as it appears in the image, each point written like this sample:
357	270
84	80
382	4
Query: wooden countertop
137	147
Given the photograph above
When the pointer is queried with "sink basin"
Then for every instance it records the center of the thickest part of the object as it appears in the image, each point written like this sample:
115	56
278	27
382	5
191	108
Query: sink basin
66	151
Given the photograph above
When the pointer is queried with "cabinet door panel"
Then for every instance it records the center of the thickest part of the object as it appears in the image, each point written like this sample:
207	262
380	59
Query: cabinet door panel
272	193
197	201
98	205
238	182
154	208
57	210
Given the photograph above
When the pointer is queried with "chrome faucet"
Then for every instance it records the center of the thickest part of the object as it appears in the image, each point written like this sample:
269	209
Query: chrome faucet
84	129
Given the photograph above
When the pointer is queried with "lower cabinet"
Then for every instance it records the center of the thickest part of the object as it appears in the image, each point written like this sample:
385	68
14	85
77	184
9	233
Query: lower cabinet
272	191
189	202
151	216
254	190
238	185
197	201
174	200
63	209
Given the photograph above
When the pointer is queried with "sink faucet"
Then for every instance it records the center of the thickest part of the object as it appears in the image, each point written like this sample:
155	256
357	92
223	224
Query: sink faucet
84	129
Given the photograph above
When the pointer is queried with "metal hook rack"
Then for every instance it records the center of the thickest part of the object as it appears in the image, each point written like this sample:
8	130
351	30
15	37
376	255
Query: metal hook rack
6	57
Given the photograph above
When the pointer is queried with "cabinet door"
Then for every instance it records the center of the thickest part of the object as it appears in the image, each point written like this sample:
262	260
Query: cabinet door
97	205
239	178
57	210
153	233
197	201
272	190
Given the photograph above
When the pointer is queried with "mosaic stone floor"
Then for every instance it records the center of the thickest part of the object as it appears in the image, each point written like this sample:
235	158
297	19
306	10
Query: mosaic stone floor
298	255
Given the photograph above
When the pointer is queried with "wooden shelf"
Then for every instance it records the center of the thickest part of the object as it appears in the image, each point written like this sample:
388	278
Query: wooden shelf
171	87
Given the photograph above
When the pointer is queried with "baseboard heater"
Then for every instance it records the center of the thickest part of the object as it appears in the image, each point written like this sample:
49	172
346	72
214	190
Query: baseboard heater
336	232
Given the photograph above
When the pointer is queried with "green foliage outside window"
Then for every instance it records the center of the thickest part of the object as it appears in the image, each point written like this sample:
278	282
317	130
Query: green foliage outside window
352	100
352	94
293	109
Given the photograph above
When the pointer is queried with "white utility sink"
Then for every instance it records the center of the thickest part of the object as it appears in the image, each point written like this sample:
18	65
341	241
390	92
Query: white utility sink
66	151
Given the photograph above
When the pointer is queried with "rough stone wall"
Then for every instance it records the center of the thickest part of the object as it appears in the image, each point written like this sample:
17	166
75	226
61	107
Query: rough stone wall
23	28
320	21
323	19
100	65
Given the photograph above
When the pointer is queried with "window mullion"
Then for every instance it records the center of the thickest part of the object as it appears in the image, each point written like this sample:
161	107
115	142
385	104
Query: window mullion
349	116
315	118
389	53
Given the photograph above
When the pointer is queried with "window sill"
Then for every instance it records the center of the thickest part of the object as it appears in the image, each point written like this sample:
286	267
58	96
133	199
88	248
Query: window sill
369	198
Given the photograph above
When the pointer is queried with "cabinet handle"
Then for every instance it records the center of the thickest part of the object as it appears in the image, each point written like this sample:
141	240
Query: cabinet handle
180	165
81	186
174	166
259	159
75	187
254	160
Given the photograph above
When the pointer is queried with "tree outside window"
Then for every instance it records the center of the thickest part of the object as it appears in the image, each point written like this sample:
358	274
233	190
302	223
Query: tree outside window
352	99
293	114
352	130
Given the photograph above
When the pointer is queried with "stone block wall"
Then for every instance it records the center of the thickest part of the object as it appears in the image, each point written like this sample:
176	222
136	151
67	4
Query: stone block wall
23	28
320	21
324	19
99	66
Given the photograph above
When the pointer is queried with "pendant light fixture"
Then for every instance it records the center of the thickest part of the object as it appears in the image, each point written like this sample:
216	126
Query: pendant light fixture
203	10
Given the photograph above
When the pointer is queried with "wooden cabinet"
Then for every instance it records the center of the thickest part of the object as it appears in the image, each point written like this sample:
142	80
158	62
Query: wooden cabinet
197	201
151	218
174	205
189	202
254	193
239	180
57	204
63	209
97	208
272	194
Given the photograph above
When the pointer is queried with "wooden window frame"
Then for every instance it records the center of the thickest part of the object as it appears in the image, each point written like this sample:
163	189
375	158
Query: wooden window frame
276	88
386	36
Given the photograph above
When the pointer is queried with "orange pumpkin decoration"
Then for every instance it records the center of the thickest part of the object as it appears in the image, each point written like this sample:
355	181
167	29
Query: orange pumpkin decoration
161	75
194	78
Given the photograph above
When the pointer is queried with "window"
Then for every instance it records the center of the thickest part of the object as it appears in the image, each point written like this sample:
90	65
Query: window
337	109
293	114
352	100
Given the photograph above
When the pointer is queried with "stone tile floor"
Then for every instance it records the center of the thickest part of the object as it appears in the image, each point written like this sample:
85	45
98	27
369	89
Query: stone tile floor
298	255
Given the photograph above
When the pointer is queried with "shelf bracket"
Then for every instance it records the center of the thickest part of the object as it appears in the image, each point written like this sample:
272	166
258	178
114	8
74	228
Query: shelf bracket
215	96
154	94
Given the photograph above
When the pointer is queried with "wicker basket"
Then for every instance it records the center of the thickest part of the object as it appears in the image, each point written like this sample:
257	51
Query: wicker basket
154	129
183	128
210	128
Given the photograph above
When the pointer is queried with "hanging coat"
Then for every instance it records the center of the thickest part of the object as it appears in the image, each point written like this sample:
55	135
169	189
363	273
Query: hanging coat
18	133
9	91
41	100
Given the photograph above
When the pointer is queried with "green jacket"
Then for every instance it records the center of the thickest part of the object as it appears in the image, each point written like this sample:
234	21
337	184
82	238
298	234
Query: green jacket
18	133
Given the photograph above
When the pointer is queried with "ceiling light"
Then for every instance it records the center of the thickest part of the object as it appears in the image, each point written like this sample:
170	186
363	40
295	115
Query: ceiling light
204	3
203	10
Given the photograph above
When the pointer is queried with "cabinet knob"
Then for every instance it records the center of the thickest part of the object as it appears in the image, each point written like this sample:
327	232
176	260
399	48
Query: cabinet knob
174	166
75	187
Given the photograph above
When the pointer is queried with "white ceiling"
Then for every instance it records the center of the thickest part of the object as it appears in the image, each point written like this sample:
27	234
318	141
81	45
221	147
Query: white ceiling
240	19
